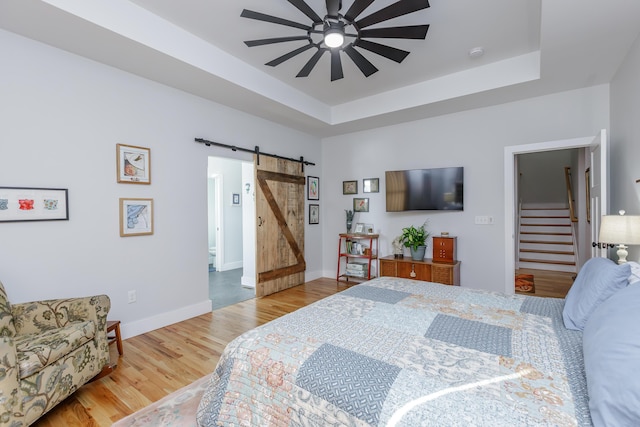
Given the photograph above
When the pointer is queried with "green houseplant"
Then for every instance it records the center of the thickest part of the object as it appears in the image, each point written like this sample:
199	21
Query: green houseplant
415	238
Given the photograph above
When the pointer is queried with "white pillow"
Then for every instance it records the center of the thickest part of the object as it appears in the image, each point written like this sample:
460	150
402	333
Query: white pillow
635	272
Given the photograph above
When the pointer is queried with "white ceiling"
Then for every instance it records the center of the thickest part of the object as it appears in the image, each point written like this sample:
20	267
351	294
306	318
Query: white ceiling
532	47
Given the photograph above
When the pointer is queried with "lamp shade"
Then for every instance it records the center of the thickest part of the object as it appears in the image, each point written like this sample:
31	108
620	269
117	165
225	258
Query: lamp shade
620	229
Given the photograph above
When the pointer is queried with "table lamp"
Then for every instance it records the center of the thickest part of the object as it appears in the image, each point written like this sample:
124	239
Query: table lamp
622	230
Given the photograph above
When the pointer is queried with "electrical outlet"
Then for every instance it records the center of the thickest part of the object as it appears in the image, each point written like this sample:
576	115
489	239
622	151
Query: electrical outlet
132	297
484	220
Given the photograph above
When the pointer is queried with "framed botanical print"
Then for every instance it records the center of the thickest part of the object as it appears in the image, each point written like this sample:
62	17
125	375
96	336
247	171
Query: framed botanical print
134	164
349	187
360	204
314	214
313	188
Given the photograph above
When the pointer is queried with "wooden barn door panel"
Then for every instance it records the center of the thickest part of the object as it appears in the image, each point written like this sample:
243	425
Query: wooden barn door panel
280	219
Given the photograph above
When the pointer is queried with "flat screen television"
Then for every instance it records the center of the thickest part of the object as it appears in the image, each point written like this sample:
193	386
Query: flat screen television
425	189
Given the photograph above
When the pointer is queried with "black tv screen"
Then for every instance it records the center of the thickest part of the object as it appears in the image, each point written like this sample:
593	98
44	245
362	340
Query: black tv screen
425	189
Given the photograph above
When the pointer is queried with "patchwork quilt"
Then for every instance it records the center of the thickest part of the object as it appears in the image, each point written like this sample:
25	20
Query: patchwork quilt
399	352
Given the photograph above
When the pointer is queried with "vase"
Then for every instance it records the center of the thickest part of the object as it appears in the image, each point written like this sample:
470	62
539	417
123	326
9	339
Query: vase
418	254
349	223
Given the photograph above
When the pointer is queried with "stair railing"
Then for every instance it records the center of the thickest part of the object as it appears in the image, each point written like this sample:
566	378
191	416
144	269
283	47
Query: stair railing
567	181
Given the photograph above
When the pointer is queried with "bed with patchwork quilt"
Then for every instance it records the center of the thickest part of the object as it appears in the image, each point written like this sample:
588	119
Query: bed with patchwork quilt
399	352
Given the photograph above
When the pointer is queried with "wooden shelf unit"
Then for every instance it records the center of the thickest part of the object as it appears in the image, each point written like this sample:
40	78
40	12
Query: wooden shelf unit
427	270
347	253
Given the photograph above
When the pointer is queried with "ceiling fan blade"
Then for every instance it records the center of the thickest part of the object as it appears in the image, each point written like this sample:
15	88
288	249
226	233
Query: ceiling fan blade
333	7
336	65
363	63
306	70
306	9
388	52
289	55
408	32
261	42
402	7
357	8
273	19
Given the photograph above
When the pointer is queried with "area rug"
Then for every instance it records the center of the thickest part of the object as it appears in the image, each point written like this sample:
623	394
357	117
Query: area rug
176	410
524	283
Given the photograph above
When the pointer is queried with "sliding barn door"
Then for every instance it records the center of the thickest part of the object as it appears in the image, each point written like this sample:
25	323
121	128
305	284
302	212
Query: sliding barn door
280	225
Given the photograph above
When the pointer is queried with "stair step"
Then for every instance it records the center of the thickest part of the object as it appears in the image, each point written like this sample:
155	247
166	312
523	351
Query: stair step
548	242
551	267
543	261
541	251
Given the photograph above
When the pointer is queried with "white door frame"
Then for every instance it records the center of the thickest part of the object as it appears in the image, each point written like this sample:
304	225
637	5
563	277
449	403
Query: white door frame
510	203
217	179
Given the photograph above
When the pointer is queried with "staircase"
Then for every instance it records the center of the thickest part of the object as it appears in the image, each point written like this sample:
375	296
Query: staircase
546	239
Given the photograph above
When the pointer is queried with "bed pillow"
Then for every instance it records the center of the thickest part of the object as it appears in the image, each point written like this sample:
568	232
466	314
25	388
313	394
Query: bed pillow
612	360
599	278
634	276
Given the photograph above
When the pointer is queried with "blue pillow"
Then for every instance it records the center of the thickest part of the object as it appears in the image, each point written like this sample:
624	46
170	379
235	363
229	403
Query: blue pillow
599	278
611	344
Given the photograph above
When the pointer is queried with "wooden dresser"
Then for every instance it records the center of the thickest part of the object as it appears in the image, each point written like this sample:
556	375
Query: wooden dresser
427	270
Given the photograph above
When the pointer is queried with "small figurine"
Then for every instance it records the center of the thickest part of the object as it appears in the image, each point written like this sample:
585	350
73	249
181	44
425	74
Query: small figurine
397	247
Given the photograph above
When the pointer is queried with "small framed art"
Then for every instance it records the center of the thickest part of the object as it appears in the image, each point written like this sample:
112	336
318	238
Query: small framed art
359	228
371	185
360	204
235	199
33	204
349	187
134	164
313	188
314	214
136	217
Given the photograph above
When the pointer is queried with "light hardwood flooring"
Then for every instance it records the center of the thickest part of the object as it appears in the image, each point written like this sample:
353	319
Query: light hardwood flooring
554	284
160	362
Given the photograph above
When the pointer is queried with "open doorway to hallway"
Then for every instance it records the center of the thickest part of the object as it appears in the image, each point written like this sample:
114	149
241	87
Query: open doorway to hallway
231	231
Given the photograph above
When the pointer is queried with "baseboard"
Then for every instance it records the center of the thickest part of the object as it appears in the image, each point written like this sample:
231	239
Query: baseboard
231	265
142	326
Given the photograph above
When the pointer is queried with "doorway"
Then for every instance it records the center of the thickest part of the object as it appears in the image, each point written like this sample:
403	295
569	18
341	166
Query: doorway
231	227
597	160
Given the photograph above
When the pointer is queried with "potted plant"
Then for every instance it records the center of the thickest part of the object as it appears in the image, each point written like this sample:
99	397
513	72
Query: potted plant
415	239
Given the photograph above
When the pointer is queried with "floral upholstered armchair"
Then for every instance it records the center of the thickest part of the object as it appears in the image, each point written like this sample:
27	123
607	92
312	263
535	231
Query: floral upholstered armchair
48	349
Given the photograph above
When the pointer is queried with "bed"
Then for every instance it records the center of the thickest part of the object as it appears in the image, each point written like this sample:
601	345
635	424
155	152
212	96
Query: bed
399	352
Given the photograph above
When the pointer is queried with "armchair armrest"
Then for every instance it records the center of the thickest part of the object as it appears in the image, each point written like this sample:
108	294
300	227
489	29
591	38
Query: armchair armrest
38	316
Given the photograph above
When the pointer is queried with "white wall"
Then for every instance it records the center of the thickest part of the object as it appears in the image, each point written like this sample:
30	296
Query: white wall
542	176
625	139
248	225
62	116
474	139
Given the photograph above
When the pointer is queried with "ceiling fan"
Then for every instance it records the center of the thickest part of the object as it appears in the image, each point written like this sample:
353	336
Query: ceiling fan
336	33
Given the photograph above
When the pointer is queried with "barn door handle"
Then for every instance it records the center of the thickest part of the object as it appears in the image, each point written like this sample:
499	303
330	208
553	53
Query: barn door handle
260	221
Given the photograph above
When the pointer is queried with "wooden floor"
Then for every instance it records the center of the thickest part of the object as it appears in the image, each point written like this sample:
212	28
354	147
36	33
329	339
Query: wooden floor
160	362
554	284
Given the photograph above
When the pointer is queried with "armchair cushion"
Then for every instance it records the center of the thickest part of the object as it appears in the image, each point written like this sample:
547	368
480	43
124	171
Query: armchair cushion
37	351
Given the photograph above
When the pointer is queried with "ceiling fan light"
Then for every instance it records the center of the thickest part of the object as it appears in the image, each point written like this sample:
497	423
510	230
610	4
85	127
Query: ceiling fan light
333	38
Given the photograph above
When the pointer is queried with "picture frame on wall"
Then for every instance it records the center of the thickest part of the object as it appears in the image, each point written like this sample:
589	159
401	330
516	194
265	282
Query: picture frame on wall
349	187
136	217
33	204
235	199
587	185
314	214
371	185
360	204
134	164
313	188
